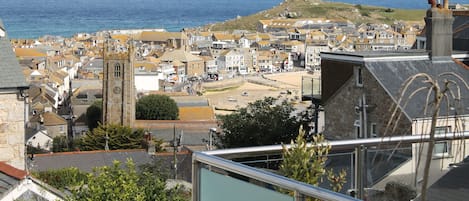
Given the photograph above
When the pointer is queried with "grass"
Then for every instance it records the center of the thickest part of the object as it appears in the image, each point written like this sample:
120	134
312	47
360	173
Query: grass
318	9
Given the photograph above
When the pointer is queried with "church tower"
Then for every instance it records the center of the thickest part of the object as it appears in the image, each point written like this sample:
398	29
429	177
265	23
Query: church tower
118	84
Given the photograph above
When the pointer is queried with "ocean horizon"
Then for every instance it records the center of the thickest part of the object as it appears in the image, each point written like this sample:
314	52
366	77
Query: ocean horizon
37	18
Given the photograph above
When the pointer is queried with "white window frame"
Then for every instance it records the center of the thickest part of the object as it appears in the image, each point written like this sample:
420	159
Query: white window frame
446	151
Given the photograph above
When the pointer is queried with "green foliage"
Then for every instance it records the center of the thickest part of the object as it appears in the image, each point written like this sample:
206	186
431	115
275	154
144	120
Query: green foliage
120	137
63	144
30	149
111	183
263	122
60	144
94	114
307	163
337	181
63	178
157	107
125	183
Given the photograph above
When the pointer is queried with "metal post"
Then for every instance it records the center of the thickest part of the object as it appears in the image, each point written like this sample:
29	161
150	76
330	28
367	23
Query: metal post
195	180
360	171
352	181
210	140
174	152
316	117
364	119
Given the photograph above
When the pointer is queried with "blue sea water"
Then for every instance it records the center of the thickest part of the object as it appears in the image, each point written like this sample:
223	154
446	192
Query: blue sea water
36	18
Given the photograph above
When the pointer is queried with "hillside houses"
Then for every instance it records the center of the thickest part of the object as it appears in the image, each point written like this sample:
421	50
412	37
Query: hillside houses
166	60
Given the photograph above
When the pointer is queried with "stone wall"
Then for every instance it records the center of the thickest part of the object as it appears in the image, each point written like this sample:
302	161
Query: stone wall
340	113
12	131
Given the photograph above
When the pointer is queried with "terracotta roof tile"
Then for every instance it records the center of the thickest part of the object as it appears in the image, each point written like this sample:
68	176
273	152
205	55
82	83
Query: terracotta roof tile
196	113
12	171
29	52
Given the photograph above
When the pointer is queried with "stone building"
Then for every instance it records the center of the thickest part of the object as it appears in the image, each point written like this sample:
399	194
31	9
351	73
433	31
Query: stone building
13	88
361	90
118	85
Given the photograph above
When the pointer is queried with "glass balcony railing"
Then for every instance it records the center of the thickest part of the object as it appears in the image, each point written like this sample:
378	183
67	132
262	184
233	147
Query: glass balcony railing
371	164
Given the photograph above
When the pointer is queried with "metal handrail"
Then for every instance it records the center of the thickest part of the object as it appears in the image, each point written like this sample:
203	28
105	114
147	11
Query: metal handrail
337	145
271	178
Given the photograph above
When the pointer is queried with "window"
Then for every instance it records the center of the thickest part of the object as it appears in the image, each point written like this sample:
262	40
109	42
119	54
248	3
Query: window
357	125
442	148
373	130
358	71
117	70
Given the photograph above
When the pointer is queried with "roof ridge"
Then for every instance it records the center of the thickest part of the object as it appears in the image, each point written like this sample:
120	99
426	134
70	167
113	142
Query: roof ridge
12	171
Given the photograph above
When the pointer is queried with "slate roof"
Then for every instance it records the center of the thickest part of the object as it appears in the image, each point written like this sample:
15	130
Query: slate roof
452	186
191	137
393	74
87	160
11	75
190	101
392	69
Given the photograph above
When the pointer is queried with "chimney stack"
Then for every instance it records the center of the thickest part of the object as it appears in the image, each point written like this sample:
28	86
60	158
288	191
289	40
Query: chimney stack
439	32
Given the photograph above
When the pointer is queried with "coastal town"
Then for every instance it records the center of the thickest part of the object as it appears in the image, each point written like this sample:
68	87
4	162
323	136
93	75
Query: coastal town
65	74
343	73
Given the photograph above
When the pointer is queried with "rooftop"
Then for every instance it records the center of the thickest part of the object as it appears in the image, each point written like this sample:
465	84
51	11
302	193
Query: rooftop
11	75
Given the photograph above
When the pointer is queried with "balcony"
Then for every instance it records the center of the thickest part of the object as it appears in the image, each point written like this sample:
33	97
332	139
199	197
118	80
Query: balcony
250	173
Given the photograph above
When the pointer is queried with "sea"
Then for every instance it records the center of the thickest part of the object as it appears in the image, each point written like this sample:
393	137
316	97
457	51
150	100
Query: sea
37	18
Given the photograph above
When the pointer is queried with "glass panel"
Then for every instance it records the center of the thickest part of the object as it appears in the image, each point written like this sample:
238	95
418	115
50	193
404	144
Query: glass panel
215	187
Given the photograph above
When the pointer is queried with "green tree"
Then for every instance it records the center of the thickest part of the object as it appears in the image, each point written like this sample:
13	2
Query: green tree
157	107
263	122
94	114
306	163
119	137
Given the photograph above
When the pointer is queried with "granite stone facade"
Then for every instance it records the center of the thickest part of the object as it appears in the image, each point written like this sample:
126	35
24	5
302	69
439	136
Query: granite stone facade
12	131
342	107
